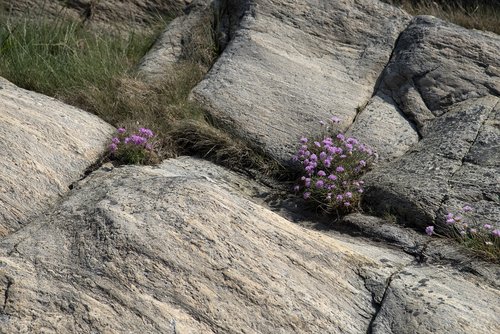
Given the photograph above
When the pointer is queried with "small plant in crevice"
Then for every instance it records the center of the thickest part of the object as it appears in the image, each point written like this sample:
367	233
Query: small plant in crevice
137	147
461	225
331	169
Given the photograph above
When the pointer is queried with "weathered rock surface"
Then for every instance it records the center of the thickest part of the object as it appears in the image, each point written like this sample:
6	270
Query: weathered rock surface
46	145
128	15
178	249
441	78
169	48
293	63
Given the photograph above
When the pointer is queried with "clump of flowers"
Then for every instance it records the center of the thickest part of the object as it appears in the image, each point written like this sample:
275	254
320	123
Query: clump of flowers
331	170
136	147
478	236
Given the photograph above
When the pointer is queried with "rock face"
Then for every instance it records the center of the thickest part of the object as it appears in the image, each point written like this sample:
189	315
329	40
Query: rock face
189	247
128	15
431	111
292	64
46	145
443	78
178	249
169	48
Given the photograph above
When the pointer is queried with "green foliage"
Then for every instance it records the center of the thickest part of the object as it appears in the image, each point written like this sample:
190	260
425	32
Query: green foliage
58	57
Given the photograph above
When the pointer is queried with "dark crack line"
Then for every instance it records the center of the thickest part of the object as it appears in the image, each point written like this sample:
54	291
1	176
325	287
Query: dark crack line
377	305
462	161
6	295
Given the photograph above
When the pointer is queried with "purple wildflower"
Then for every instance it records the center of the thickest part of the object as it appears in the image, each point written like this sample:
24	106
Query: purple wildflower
332	177
348	194
320	184
341	137
307	195
496	232
296	188
317	143
352	141
467	208
335	119
347	203
340	169
113	147
362	163
138	140
121	130
321	173
340	197
429	230
487	226
303	140
146	132
115	140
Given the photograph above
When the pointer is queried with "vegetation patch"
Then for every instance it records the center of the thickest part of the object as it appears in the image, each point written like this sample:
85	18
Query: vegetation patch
96	72
331	170
461	225
471	14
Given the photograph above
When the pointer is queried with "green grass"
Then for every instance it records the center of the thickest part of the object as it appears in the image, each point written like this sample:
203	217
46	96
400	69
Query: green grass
472	14
59	57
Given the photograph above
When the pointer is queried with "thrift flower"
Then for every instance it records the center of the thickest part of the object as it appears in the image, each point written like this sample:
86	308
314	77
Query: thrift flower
335	119
429	230
467	208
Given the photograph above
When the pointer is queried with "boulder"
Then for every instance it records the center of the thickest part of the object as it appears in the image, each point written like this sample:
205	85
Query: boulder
46	146
290	65
170	47
441	78
179	248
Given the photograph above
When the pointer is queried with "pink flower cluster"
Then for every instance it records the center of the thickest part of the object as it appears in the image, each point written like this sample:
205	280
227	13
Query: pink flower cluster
465	225
331	169
139	139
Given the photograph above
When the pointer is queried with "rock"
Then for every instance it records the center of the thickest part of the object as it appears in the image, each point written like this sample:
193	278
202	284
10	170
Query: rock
293	64
382	124
170	48
179	248
436	64
442	85
46	145
149	249
446	301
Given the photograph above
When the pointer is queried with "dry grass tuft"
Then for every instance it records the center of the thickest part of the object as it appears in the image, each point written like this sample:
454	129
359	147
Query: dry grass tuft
471	14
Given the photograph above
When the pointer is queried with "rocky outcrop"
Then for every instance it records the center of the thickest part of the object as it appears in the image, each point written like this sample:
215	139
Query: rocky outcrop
119	15
172	45
179	249
293	64
428	104
442	77
46	145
